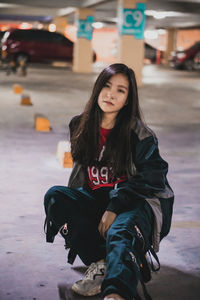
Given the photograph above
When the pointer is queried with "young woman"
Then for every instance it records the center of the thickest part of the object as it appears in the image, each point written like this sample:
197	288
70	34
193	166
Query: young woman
118	203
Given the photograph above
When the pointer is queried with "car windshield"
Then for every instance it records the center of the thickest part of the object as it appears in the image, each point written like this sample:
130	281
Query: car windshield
196	45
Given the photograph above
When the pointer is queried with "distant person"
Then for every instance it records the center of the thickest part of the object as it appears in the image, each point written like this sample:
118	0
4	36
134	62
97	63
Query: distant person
118	203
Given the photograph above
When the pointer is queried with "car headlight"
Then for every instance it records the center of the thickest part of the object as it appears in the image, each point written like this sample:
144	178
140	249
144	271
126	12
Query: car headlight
4	47
181	55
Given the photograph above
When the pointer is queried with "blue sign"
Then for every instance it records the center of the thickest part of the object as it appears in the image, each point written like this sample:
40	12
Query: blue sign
133	21
85	28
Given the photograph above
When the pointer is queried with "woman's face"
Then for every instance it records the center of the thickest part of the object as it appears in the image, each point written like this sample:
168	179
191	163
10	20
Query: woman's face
113	95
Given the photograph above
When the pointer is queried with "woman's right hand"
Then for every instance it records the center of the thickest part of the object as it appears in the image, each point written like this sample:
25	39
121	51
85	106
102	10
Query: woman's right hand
106	221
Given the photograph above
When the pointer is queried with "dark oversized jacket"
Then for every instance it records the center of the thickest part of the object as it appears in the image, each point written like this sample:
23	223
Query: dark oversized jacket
148	182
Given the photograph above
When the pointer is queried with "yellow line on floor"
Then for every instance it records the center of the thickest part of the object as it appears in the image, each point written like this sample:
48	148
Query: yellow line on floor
186	224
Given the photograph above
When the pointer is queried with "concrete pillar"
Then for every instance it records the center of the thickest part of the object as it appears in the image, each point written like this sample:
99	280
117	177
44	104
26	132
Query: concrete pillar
170	43
131	46
83	53
61	24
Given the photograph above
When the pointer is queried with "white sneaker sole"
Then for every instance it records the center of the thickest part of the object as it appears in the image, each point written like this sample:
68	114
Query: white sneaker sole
93	292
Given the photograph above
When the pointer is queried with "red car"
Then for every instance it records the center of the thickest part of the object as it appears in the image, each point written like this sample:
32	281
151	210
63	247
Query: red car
34	45
185	59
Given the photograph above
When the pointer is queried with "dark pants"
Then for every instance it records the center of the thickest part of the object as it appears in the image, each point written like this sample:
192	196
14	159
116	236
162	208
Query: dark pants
82	210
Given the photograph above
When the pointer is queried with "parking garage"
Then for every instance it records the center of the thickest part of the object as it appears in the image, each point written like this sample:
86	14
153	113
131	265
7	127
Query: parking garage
31	160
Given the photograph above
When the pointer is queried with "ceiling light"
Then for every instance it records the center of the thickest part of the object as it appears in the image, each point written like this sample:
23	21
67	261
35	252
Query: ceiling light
163	14
161	31
97	25
25	25
40	26
66	11
6	5
52	27
151	34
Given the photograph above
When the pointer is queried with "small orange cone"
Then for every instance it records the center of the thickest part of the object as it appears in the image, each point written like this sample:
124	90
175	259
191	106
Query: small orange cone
17	88
64	155
42	123
26	100
67	161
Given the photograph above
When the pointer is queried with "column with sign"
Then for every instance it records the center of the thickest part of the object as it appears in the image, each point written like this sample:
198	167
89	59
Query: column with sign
131	34
83	53
85	28
61	24
134	21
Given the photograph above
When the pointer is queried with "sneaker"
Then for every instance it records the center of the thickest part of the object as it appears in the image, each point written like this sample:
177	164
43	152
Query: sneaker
90	285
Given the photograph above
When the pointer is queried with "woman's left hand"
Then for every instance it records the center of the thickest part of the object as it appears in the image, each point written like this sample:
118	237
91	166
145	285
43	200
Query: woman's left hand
106	221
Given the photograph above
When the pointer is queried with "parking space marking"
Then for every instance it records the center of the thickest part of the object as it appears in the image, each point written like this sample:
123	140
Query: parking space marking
186	224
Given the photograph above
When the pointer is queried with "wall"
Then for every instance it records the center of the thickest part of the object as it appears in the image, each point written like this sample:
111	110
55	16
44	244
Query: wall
186	38
104	42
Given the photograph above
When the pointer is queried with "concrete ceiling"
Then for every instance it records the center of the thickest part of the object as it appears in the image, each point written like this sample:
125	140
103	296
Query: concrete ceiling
182	13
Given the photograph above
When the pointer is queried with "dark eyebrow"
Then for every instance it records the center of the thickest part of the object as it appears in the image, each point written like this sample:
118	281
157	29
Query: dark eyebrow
122	86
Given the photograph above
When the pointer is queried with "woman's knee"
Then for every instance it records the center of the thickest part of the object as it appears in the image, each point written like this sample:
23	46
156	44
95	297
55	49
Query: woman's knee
53	191
54	195
56	192
49	194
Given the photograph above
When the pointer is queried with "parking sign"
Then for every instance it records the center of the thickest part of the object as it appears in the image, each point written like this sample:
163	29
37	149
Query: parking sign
133	21
85	28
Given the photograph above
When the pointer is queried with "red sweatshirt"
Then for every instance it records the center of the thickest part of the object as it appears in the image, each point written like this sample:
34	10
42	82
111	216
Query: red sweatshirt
101	176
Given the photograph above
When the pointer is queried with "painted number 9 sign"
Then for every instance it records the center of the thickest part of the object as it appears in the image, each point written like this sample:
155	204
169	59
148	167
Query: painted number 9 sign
85	28
134	21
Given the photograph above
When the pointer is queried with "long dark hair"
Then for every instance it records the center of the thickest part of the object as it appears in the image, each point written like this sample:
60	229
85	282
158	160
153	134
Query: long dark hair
85	138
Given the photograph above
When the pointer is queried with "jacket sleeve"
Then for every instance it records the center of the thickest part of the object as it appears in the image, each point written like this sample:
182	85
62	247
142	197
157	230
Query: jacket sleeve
150	177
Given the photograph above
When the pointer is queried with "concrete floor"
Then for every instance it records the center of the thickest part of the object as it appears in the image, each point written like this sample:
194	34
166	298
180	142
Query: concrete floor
31	268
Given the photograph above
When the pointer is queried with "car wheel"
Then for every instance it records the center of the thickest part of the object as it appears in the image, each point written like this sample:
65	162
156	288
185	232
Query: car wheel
189	65
21	59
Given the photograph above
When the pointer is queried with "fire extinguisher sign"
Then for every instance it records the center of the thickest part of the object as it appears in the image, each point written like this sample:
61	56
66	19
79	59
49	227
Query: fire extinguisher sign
133	21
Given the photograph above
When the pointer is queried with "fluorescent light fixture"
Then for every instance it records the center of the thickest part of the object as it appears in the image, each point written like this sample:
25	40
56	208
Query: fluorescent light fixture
161	31
97	25
163	14
151	34
66	11
8	5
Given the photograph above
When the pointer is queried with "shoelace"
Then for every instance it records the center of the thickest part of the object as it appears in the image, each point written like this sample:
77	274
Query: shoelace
93	269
